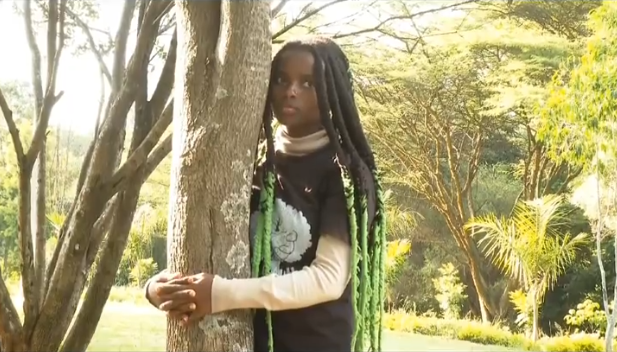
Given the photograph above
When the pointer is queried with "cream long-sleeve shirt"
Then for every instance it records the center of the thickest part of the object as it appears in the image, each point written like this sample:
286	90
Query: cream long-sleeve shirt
324	280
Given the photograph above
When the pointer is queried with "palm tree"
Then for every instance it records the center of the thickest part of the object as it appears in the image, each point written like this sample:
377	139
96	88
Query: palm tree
529	247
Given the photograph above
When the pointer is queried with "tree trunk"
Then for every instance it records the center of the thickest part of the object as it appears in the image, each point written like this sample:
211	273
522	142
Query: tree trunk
536	314
38	218
609	335
224	53
487	307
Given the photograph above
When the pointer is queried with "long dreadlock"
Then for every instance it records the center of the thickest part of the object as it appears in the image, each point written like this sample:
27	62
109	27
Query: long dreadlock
339	116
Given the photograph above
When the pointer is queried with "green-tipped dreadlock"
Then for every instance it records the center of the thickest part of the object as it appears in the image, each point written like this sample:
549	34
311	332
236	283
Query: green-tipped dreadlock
339	115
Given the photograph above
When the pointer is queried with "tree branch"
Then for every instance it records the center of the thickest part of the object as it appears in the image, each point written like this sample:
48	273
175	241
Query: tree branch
301	19
166	80
100	228
55	315
36	56
28	272
120	43
8	116
158	154
97	53
278	8
50	98
382	23
11	330
81	332
140	155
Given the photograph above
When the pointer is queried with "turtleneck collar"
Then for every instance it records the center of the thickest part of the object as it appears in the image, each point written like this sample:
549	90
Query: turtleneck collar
293	146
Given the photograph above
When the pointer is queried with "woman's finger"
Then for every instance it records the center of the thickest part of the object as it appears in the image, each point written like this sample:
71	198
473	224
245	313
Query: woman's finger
168	288
179	280
176	299
182	309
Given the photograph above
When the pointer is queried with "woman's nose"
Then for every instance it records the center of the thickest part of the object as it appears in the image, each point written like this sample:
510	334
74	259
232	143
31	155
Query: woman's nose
292	90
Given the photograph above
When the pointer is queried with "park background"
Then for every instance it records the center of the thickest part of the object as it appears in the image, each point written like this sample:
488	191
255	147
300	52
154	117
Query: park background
493	123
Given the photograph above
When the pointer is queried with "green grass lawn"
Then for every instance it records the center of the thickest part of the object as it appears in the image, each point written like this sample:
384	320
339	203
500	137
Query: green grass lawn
128	327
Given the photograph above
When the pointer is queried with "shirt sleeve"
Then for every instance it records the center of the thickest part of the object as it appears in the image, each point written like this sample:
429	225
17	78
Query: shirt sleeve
324	280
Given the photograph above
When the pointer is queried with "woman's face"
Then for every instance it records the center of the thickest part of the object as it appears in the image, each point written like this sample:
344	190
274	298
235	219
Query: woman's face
294	100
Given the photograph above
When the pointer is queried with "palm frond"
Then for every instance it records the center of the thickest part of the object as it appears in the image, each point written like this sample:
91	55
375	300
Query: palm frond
500	244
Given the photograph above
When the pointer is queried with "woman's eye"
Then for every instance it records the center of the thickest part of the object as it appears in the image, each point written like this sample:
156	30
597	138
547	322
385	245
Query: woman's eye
307	84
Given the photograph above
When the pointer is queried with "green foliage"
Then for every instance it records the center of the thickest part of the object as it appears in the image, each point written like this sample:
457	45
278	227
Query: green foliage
396	255
486	334
565	18
142	271
527	246
147	241
466	330
524	308
578	117
579	344
451	292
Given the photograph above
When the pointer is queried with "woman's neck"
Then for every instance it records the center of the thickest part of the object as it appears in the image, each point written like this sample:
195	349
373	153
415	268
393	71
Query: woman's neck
299	146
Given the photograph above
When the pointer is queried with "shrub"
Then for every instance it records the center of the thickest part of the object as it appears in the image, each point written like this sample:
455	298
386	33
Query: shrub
584	343
477	332
489	335
587	317
142	271
451	292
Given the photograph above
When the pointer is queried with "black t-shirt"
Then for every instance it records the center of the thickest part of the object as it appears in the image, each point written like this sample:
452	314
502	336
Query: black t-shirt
309	201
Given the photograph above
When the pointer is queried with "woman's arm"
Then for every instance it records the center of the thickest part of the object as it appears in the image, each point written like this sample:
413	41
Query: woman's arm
324	280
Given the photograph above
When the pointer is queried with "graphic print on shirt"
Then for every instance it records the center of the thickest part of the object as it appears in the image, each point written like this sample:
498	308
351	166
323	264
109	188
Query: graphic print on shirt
291	236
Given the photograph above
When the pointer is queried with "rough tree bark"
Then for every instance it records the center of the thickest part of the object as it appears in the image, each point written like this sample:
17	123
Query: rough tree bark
221	84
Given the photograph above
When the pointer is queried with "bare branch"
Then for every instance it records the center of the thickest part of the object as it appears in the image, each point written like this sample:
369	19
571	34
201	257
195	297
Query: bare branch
166	80
158	154
100	228
140	155
11	330
301	19
81	332
57	313
100	110
8	116
278	8
31	303
120	43
97	53
382	23
50	98
36	56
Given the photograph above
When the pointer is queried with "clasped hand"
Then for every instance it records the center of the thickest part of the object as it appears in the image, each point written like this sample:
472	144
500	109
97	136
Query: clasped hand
186	298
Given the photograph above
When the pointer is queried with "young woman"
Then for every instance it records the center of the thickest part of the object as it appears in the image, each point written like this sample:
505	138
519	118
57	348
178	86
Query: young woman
317	224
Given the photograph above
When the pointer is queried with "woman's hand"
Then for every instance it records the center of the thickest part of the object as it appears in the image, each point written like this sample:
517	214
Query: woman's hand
188	298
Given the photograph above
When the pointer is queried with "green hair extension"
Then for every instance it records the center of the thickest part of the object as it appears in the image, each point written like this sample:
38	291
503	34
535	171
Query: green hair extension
267	245
379	258
349	196
367	261
262	252
368	265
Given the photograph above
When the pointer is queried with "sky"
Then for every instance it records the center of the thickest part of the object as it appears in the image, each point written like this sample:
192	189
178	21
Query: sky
79	76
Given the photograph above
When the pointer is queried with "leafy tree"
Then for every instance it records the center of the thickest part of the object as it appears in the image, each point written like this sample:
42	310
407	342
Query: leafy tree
437	118
564	18
579	125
